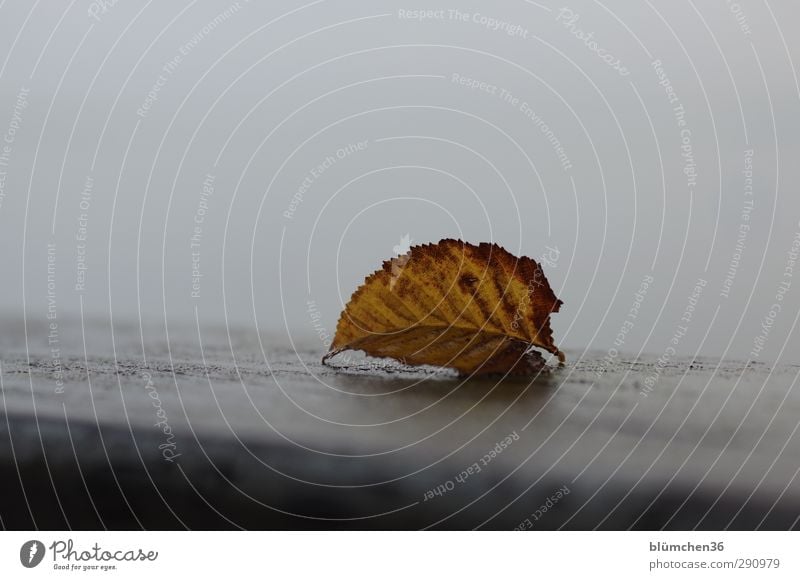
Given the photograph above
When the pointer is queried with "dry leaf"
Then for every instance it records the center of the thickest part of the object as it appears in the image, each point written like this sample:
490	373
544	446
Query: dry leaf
476	309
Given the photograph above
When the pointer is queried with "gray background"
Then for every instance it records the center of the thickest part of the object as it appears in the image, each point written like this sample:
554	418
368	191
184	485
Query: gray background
272	89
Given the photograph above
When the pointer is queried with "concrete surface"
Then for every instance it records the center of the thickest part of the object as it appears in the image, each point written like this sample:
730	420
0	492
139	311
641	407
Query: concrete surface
222	435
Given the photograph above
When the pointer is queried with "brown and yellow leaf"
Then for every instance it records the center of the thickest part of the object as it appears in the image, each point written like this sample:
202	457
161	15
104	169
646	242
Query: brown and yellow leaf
476	309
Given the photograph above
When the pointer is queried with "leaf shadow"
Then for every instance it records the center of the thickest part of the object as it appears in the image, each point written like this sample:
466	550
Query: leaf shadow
415	386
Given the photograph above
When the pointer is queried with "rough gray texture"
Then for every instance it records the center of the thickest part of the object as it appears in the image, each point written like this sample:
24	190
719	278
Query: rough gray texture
290	443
